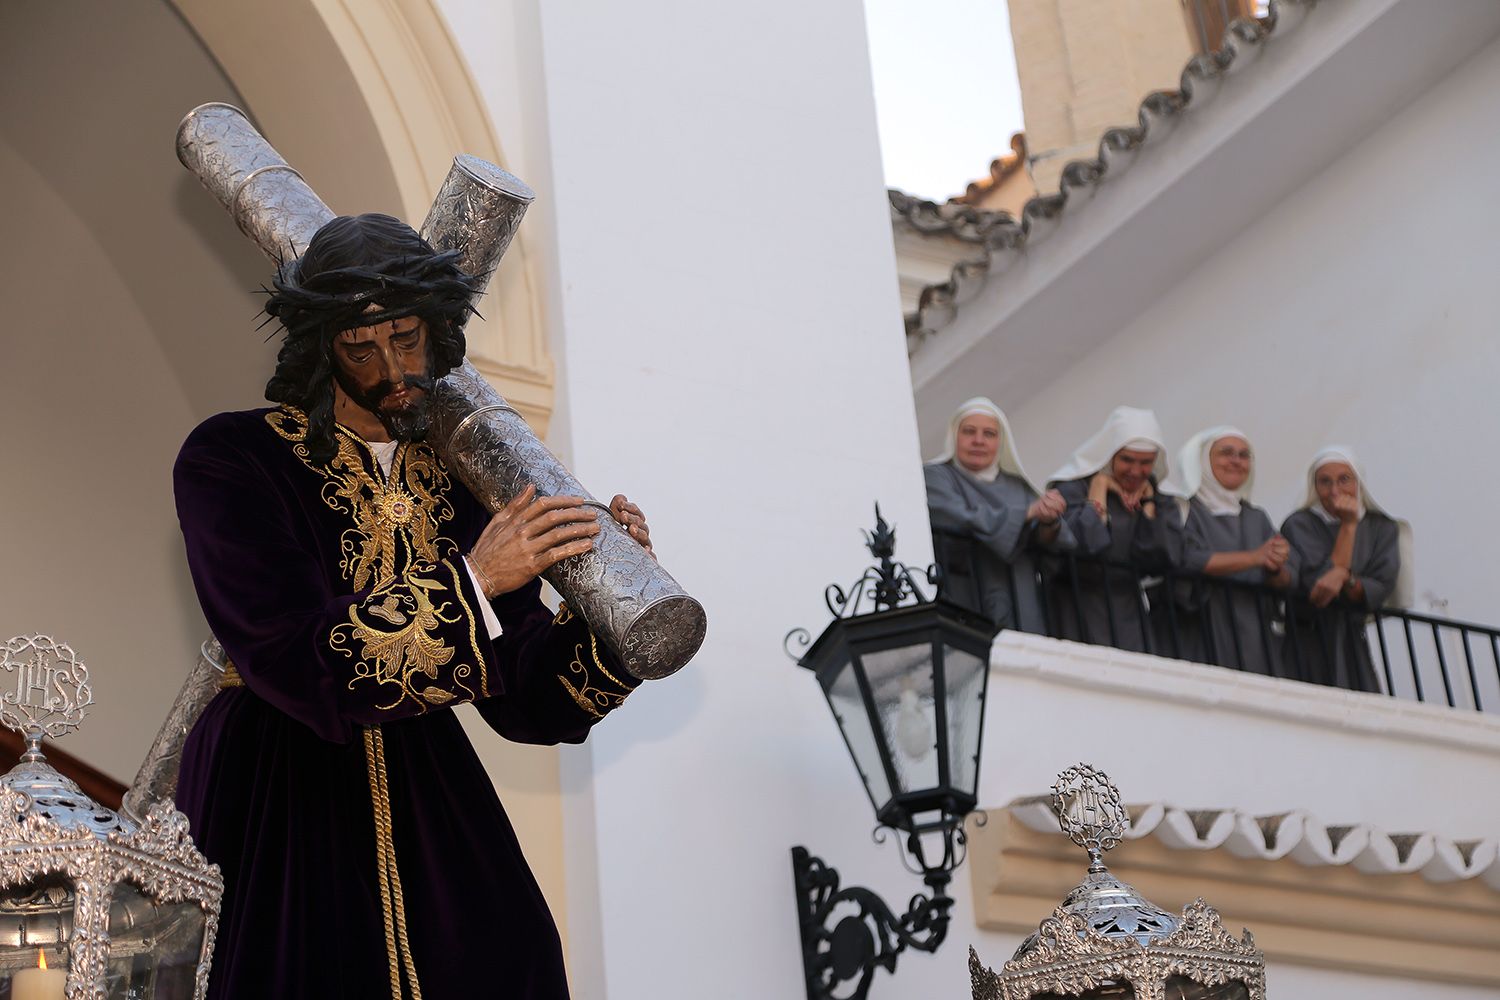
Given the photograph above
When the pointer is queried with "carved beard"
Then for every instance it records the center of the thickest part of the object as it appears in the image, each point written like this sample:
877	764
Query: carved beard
410	422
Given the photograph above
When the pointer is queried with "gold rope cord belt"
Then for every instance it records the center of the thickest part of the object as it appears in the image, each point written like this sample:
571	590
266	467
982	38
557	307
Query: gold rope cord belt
392	903
397	948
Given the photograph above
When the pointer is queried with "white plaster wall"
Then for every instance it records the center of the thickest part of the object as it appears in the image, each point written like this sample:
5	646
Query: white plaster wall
1360	311
129	317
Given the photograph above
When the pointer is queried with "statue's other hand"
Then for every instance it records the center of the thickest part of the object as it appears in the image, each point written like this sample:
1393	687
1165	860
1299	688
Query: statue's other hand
633	520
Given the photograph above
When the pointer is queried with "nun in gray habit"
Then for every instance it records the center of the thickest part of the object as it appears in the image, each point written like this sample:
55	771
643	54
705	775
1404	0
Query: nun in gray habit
1226	536
1116	513
988	519
1354	558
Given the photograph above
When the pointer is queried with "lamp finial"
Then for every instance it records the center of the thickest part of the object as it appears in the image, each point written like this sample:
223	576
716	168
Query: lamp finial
46	690
1090	811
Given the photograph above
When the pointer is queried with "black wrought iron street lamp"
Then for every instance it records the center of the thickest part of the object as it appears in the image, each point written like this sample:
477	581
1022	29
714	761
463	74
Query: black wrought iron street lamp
906	677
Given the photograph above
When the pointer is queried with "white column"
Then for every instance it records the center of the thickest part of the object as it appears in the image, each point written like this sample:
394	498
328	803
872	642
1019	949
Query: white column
731	356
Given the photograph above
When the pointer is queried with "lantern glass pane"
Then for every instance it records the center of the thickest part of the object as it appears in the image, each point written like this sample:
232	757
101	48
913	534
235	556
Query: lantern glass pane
901	683
963	679
36	924
1183	988
153	947
849	710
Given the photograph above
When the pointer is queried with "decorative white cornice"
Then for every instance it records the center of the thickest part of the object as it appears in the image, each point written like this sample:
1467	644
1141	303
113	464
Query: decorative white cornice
1299	835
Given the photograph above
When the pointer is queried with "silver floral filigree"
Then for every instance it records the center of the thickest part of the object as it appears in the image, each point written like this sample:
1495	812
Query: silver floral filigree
156	781
269	200
49	829
158	857
1071	958
626	596
1105	934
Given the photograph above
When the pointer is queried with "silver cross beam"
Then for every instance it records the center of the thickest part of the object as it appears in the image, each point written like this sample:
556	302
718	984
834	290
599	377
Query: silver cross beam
627	598
632	604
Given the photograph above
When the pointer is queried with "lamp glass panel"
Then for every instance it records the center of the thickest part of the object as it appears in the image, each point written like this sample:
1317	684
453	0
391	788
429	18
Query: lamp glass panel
963	678
900	680
1183	988
848	706
153	947
36	925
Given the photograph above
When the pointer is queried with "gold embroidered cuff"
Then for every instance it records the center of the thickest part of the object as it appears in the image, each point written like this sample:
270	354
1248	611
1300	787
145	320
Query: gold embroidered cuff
590	683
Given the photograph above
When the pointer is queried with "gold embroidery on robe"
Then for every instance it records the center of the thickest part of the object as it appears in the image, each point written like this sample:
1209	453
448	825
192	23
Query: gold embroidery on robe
396	521
398	634
592	692
395	636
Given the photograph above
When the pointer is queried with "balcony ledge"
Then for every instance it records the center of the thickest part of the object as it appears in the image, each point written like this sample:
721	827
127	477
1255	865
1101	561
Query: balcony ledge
1157	678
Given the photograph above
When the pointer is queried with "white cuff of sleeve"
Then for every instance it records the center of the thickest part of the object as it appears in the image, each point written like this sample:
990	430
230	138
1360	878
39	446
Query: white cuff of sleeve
491	622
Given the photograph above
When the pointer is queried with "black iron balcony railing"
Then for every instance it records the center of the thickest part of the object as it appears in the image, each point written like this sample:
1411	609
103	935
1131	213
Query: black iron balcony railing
1232	623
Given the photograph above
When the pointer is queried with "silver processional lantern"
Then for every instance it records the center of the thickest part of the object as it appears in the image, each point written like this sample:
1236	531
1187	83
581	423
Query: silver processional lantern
1106	941
906	678
93	906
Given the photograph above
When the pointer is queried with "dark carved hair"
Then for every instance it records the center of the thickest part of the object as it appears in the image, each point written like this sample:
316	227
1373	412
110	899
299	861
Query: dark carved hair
360	270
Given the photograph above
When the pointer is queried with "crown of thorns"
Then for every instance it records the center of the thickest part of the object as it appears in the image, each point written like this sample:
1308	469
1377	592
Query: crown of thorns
370	294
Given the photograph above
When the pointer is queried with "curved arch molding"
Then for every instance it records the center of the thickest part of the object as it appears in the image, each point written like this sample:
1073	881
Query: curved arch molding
372	110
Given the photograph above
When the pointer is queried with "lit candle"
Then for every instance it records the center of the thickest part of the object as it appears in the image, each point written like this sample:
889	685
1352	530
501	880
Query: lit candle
40	983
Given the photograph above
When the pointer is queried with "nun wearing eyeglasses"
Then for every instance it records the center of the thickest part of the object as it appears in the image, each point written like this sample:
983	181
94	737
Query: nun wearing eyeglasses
1354	559
989	520
1227	536
1118	515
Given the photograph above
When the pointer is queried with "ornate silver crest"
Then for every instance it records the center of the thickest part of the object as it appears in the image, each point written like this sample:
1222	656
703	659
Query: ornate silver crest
124	907
1089	810
46	688
1106	940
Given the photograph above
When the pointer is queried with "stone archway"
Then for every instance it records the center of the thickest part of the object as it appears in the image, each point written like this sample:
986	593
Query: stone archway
372	110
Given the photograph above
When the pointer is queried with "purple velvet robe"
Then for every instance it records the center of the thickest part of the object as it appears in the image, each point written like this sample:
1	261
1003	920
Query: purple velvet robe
359	835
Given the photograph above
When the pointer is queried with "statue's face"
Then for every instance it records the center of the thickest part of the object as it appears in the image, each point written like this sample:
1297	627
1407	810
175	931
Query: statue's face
387	369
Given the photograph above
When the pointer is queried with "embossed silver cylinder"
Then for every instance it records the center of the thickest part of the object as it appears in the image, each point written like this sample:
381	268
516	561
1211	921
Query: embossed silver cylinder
268	200
630	602
622	592
626	597
477	212
156	781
